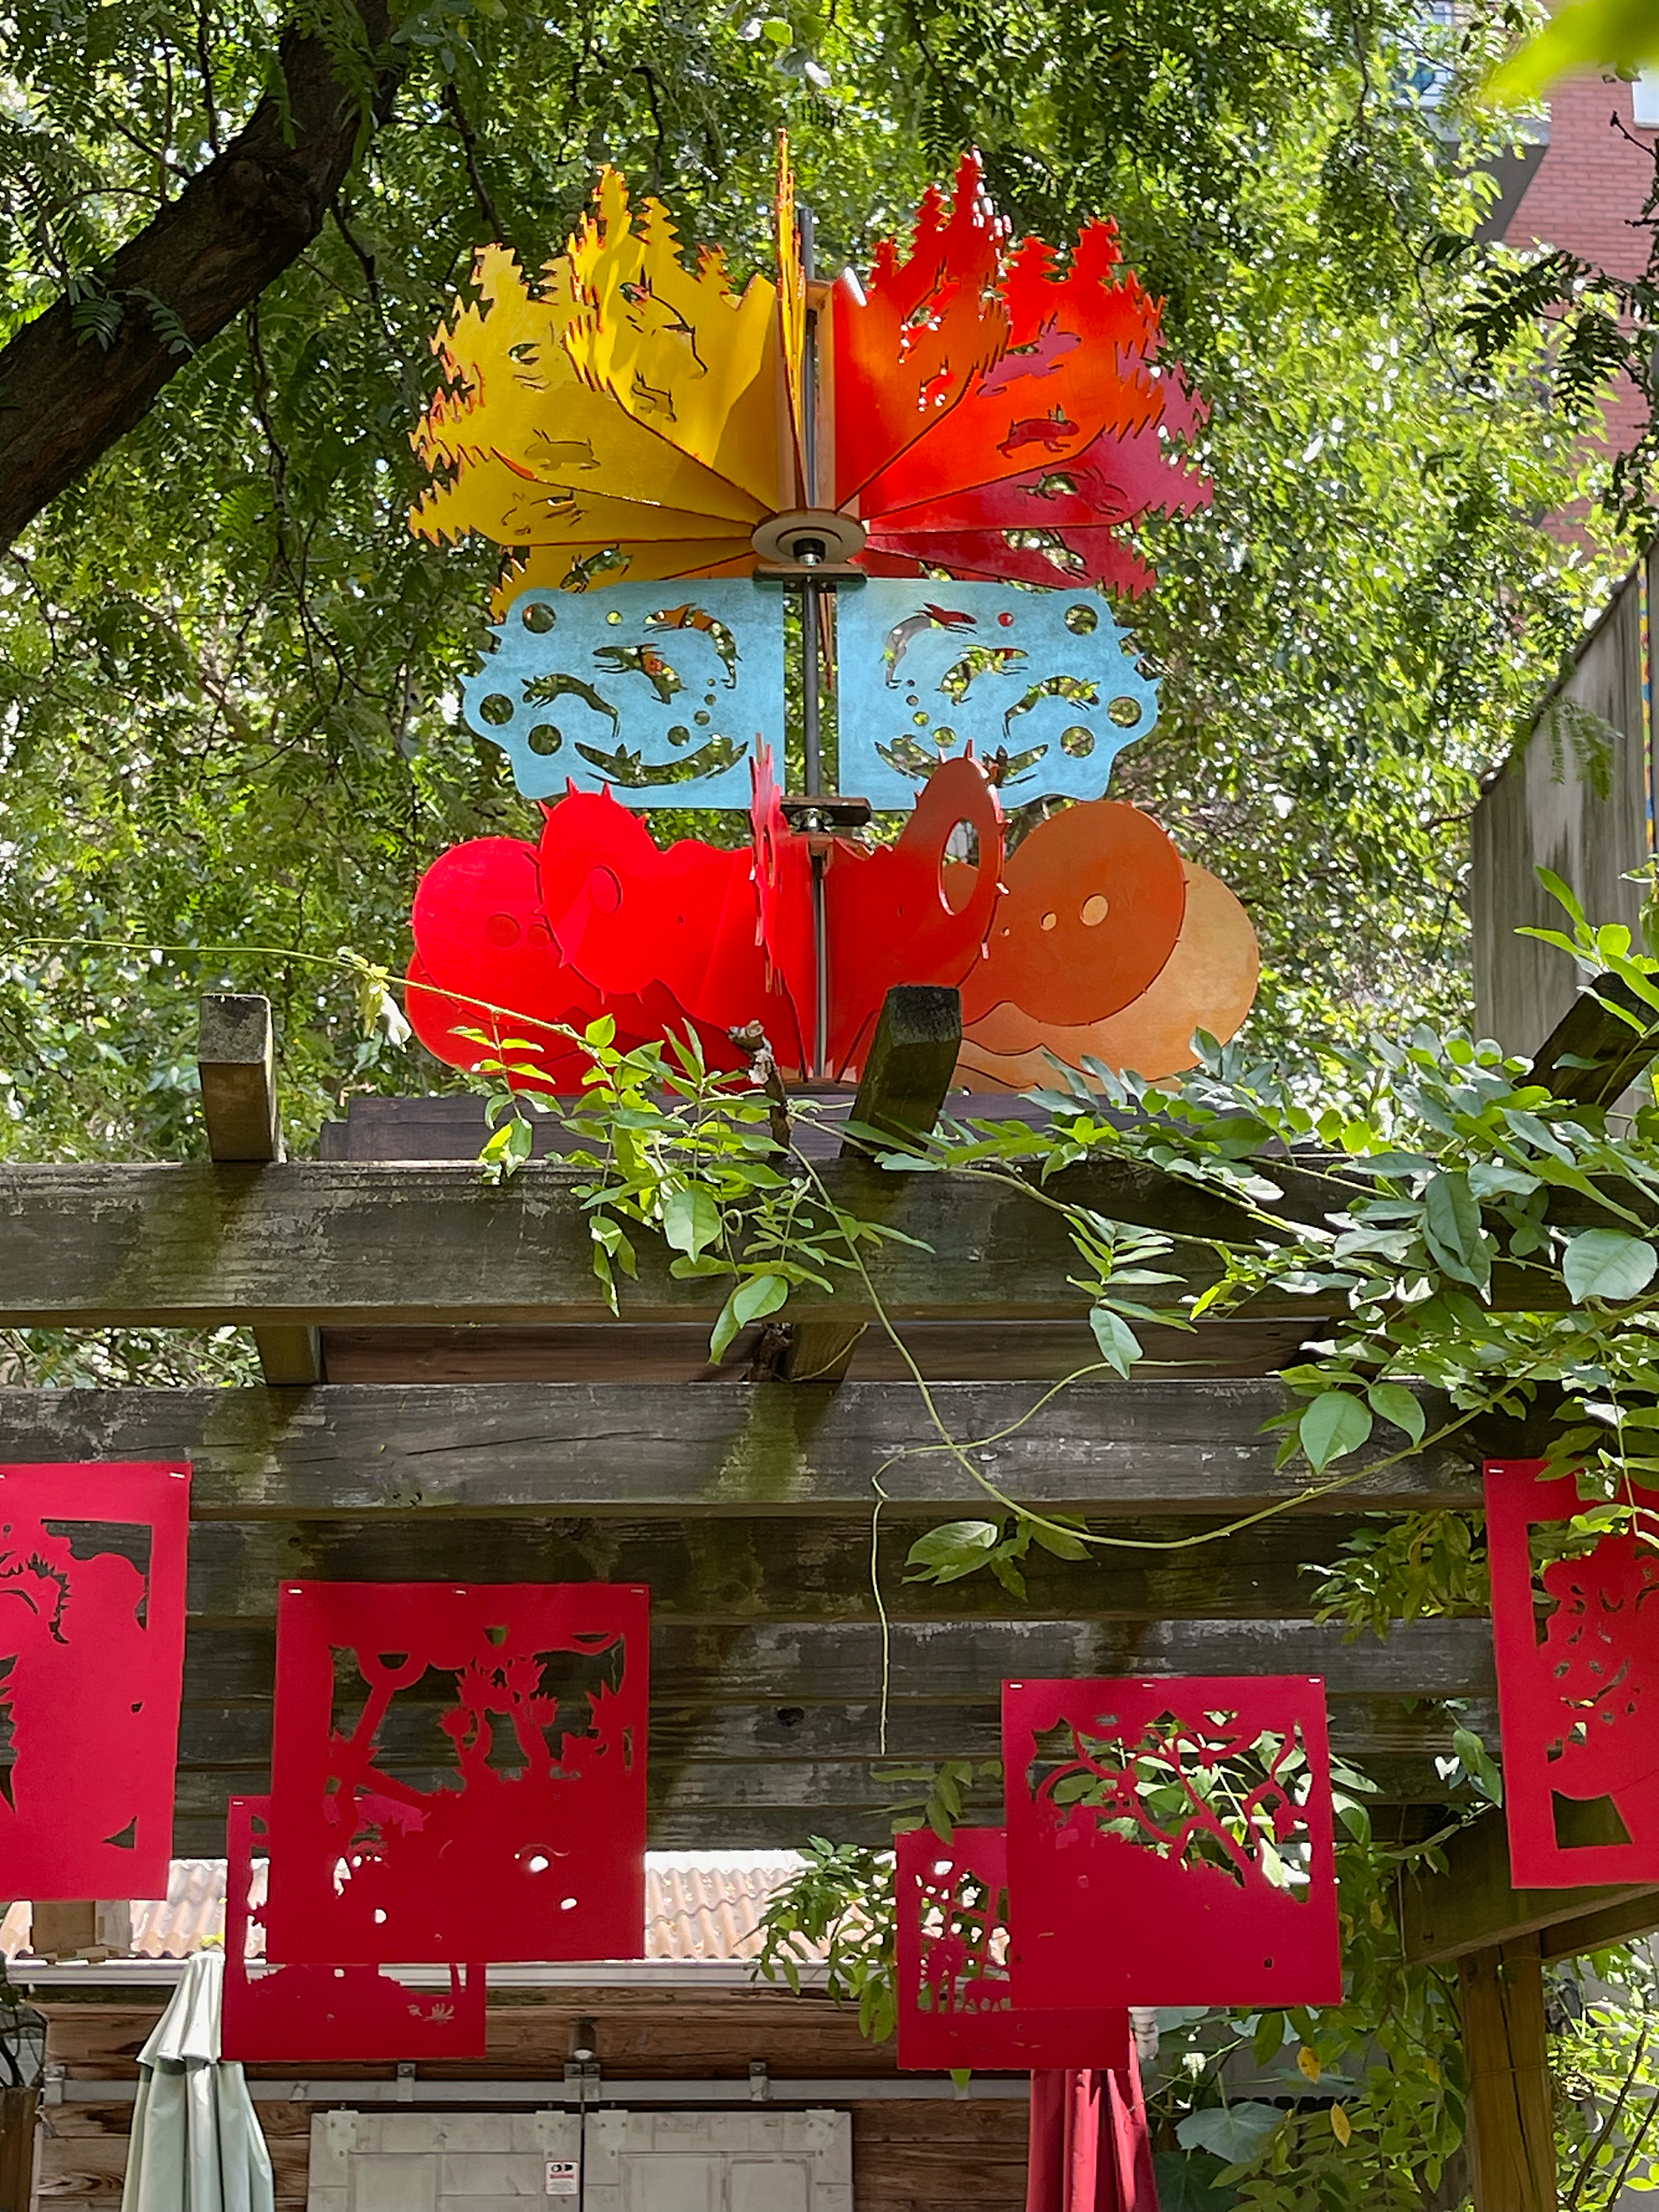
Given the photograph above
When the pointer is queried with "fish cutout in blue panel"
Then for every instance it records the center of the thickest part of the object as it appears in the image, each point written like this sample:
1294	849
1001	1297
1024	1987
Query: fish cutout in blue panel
927	667
659	692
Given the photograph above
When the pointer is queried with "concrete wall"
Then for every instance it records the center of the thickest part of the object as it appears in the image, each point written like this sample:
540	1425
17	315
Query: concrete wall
1542	810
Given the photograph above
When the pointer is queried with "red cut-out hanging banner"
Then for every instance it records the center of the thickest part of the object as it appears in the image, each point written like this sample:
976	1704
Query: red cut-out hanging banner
956	1996
1577	1683
528	1843
92	1592
307	2015
1170	1842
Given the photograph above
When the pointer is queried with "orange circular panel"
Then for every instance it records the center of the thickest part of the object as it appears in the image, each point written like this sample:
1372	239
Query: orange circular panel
1092	910
1209	982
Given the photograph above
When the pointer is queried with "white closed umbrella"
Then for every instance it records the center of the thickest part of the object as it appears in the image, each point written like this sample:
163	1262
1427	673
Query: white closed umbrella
196	2145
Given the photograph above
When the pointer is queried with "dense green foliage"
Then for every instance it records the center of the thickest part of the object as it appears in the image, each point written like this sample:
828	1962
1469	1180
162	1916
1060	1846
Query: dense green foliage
227	676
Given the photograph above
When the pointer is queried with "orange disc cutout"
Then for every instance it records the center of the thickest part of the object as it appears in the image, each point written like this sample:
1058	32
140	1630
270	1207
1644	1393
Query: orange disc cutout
1094	904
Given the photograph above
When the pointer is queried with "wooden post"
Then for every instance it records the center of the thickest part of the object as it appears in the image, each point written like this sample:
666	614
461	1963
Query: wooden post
236	1060
18	2112
911	1059
1511	2109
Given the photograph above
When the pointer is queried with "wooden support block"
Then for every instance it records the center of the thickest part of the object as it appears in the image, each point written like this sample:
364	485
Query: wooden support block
1593	1056
71	1928
912	1058
236	1056
18	2116
1475	1905
1511	2109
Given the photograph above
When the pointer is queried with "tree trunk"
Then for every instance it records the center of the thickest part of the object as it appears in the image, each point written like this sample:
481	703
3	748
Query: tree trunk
64	398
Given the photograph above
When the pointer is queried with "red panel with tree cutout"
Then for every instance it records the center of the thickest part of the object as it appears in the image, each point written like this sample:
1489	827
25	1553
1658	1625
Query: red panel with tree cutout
92	1568
525	1838
1575	1680
956	1995
307	2015
1170	1842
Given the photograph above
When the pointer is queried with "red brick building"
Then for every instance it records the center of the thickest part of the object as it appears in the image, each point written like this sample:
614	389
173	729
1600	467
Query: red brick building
1585	186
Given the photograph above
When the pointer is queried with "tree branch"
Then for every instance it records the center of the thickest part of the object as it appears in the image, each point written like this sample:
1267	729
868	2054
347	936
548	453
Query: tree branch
458	116
238	223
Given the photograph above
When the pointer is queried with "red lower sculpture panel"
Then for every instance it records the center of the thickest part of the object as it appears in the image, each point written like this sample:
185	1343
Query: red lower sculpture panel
956	2002
92	1566
308	2016
527	944
1170	1842
522	1709
1581	1744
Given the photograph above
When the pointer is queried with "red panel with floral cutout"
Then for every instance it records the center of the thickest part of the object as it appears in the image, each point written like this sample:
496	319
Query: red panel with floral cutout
1577	1632
511	1826
92	1564
1170	1842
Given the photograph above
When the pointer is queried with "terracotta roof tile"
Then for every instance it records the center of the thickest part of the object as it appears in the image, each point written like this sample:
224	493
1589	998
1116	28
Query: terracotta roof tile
696	1907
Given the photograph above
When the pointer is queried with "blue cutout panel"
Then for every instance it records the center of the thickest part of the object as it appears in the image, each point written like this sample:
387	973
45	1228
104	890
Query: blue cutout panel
661	691
926	667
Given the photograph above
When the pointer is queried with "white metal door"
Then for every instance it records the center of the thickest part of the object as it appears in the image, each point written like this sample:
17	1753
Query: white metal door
617	2161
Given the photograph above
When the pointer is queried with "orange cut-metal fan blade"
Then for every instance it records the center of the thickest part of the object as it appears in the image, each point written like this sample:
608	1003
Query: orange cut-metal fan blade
1093	905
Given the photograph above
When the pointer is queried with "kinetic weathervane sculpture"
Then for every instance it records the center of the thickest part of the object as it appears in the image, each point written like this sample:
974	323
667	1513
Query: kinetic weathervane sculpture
942	469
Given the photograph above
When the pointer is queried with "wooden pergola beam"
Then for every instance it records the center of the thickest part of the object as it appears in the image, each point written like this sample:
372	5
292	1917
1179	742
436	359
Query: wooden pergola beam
1110	1450
1474	1905
765	1732
324	1242
1594	1053
792	1663
732	1567
696	1747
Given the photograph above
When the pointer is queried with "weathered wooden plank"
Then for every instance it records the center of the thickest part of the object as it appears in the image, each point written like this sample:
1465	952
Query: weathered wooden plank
966	1662
1366	1730
678	1352
451	1125
757	1567
193	1245
1159	1447
687	1787
681	2030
